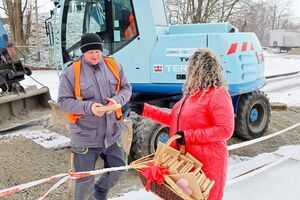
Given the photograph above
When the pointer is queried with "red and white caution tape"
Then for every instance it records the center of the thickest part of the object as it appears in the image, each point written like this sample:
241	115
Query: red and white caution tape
12	190
64	177
56	185
79	175
247	143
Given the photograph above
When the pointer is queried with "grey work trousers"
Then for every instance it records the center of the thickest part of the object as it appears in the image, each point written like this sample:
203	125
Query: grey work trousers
85	160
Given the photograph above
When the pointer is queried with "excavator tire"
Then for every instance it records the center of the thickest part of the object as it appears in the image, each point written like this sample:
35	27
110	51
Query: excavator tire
253	115
146	136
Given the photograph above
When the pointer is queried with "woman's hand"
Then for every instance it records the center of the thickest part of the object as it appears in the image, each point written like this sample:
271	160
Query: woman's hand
180	140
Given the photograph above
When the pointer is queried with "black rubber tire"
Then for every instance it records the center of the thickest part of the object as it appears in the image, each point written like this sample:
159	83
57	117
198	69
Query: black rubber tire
244	127
145	136
135	119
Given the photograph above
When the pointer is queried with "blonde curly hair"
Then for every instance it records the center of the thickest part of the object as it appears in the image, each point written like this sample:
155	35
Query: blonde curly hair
204	71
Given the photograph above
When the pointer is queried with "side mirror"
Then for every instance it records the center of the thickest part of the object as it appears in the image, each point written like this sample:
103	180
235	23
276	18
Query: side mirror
49	28
49	32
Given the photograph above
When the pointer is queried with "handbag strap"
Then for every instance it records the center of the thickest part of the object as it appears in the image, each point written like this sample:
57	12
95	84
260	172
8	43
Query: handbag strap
182	148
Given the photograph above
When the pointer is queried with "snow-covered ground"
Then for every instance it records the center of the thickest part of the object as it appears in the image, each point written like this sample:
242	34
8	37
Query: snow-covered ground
279	182
280	179
283	89
279	64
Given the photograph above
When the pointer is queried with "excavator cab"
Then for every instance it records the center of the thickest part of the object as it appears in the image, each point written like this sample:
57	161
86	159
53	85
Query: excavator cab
113	21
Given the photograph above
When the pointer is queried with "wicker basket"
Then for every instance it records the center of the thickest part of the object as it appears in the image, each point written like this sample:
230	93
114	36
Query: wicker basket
163	191
179	165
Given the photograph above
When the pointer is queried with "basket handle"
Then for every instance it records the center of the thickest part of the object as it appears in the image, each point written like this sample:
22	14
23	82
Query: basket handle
172	139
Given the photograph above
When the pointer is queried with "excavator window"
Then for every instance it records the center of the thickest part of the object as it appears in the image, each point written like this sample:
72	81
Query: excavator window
114	21
79	17
125	27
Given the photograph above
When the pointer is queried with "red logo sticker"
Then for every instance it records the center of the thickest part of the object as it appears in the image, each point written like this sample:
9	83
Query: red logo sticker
158	68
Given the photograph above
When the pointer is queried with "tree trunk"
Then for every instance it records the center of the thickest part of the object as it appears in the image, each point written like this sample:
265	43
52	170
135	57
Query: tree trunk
13	9
37	31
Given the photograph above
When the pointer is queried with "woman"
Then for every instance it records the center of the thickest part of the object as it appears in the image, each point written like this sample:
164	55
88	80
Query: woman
203	117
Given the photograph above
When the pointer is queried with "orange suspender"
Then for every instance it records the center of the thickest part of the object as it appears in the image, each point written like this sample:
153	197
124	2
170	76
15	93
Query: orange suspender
111	63
113	66
72	118
76	69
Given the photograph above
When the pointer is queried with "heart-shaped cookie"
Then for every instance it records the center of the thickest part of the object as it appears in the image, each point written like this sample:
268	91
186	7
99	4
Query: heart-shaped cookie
183	184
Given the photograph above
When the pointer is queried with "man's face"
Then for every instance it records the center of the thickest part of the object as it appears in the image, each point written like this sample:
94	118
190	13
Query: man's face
93	56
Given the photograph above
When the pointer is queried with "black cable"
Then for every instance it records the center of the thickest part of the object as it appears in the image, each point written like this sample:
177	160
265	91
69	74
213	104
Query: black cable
24	63
37	81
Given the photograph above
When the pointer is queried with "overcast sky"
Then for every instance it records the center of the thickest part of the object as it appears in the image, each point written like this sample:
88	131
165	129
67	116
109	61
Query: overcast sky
296	7
45	5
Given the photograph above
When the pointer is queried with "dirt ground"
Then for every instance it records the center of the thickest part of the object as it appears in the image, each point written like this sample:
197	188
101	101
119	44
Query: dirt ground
23	160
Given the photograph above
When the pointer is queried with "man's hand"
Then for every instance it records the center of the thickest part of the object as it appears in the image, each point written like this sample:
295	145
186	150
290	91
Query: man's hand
111	101
95	110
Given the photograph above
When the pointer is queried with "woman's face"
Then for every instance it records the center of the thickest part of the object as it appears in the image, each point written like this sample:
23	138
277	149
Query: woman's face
93	56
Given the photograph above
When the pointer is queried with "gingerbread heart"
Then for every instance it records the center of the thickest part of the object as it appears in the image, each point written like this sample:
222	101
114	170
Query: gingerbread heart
183	184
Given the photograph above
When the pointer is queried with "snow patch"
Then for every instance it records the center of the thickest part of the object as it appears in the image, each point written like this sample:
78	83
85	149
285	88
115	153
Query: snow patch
44	137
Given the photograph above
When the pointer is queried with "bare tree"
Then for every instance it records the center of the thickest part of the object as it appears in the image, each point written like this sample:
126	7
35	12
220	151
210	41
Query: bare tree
17	11
262	16
37	30
247	15
201	11
280	13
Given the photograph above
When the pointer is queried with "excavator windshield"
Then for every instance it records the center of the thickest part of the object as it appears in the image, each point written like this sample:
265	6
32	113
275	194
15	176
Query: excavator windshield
114	21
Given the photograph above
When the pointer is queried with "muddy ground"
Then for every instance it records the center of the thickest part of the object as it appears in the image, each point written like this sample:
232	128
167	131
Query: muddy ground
22	160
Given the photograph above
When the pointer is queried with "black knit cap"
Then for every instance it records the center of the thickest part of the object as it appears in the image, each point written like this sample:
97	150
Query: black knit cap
90	41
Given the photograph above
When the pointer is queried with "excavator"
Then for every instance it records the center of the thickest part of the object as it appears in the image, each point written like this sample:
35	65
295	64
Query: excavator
154	54
19	106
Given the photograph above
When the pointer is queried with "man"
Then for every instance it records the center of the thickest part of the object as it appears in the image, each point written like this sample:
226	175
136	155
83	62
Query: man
90	83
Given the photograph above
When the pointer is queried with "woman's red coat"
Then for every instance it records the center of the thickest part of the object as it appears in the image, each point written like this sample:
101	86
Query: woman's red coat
207	122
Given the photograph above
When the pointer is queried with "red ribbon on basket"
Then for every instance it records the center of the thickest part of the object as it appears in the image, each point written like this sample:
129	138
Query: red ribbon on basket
154	173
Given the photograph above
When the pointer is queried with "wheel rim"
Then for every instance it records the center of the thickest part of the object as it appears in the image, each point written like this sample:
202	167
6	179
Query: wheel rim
161	135
253	115
257	118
